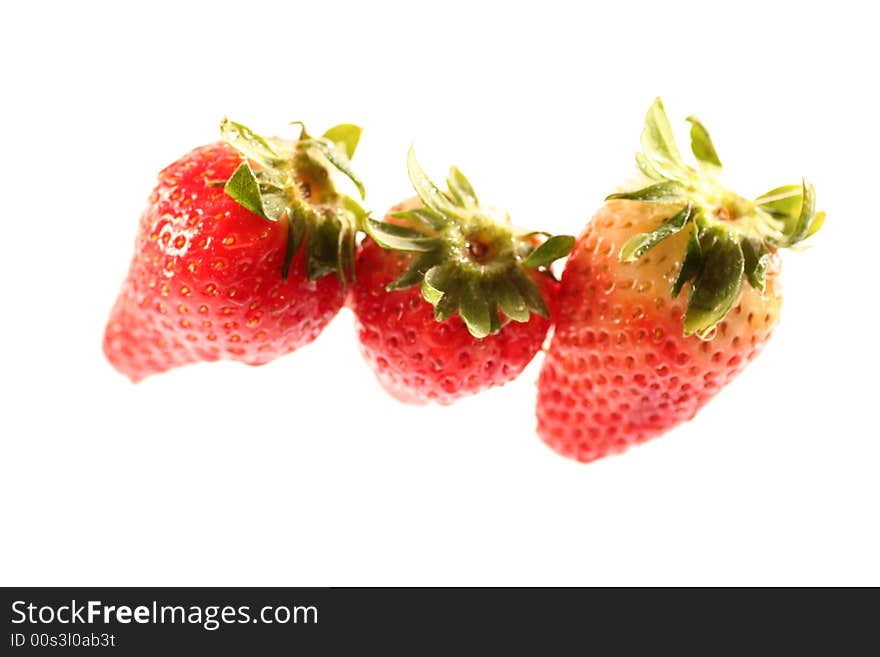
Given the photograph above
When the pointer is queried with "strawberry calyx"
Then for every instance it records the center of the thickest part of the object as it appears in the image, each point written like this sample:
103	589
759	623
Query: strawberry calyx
471	260
291	182
731	237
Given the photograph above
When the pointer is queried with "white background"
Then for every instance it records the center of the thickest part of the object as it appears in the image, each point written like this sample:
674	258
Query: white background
303	472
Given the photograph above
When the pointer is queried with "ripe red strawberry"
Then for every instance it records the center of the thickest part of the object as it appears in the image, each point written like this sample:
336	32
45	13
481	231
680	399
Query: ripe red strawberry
241	254
630	358
430	282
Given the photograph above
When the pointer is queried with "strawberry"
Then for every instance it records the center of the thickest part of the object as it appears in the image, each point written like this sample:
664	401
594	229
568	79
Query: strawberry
632	356
241	254
431	279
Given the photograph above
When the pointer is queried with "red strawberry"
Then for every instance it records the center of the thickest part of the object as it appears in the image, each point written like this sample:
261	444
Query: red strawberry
431	280
630	358
241	254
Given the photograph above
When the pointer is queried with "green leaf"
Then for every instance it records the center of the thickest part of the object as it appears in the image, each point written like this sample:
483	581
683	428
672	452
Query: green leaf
461	189
756	258
494	319
528	291
818	222
658	145
322	256
801	226
512	304
415	274
422	216
702	147
353	207
795	206
296	230
274	203
640	244
718	283
338	159
435	282
783	202
442	288
427	191
553	249
474	310
647	168
399	238
691	265
244	189
248	143
446	307
668	191
346	137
